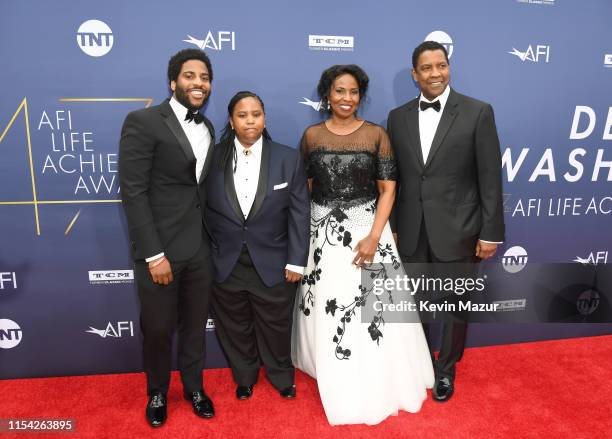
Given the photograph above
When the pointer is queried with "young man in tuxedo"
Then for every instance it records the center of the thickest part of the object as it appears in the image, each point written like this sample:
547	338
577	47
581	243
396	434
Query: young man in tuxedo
164	156
449	202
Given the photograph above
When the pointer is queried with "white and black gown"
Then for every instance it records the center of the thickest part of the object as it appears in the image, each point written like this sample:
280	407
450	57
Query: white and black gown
365	371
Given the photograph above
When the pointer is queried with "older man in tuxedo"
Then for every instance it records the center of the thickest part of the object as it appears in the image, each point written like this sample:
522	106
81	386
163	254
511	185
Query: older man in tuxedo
449	202
164	157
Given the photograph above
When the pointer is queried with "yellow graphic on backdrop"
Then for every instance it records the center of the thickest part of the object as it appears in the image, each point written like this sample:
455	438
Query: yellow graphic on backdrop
35	201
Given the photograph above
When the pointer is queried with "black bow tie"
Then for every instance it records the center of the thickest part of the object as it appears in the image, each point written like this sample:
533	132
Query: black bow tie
425	105
196	117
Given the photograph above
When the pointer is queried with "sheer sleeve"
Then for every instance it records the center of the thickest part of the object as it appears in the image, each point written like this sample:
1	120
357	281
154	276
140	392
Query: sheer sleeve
386	168
305	150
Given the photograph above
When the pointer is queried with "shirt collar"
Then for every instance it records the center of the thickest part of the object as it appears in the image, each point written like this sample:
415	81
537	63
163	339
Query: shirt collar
179	109
442	98
255	148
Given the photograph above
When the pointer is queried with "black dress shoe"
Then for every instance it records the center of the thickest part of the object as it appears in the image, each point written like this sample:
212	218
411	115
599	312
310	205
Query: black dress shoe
156	411
443	390
244	392
288	392
202	404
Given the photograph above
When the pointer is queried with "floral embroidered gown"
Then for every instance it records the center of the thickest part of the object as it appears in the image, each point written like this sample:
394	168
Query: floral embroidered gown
365	371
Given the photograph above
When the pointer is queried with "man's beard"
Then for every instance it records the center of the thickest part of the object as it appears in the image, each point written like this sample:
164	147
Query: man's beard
183	98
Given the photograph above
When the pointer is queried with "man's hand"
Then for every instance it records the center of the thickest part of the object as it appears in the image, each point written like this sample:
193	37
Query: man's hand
485	250
292	276
366	248
161	271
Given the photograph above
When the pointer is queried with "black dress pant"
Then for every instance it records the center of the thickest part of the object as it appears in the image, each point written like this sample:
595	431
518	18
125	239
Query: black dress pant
453	325
253	323
179	306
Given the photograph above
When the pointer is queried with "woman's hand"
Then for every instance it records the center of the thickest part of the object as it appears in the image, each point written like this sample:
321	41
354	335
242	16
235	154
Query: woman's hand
365	249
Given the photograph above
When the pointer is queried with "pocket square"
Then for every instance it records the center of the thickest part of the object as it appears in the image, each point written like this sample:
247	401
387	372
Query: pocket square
280	186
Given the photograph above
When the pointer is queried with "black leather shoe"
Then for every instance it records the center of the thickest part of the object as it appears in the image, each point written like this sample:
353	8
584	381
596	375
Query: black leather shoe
443	390
156	411
288	392
202	404
244	392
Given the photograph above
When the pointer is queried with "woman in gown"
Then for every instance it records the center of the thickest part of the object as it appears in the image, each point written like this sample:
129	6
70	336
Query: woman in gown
365	371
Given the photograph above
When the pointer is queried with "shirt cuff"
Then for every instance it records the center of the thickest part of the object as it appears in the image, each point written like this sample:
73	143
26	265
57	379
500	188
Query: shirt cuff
491	242
153	258
295	268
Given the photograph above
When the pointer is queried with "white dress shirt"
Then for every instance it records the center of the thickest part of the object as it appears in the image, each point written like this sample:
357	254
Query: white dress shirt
428	124
246	179
199	139
429	120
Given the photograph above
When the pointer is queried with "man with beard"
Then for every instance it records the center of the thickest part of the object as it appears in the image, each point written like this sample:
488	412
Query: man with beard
164	155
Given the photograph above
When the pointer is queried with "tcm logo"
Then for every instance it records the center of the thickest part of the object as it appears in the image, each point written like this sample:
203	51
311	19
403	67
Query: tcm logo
594	258
222	40
538	2
10	334
511	305
119	330
541	53
515	259
608	60
8	280
315	105
443	38
95	38
111	277
588	302
331	43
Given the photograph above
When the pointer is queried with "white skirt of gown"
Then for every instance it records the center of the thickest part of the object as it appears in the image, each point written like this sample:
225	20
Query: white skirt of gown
365	371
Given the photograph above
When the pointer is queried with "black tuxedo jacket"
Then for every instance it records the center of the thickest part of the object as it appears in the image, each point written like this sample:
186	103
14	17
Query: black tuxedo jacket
458	191
276	230
161	197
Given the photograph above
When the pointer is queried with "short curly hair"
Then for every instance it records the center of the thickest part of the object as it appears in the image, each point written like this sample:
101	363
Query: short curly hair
179	58
329	76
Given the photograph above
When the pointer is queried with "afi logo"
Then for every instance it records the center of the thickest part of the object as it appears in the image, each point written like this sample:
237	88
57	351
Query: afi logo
95	38
315	105
10	334
515	259
541	53
223	38
8	279
593	258
116	331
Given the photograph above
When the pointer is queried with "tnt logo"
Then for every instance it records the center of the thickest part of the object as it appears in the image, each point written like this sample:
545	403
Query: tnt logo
8	279
515	259
443	38
587	302
10	334
118	330
95	38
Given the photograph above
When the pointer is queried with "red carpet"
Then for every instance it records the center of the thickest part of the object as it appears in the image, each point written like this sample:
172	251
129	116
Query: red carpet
553	389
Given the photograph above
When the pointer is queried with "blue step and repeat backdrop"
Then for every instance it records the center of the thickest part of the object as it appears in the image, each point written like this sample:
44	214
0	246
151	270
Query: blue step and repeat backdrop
71	71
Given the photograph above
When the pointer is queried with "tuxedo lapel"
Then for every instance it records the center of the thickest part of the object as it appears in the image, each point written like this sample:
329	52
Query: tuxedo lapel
446	121
230	188
176	129
412	120
209	154
262	186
